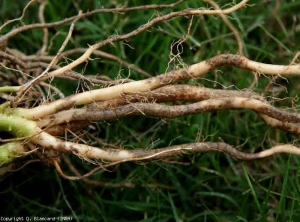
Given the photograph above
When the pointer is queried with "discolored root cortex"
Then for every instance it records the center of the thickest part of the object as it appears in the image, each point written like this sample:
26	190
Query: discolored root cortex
151	97
145	97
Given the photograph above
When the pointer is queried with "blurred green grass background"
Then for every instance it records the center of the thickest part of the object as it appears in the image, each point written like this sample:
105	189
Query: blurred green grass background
214	186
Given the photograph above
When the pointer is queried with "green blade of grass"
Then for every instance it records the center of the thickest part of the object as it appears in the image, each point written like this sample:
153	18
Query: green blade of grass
252	189
282	202
174	210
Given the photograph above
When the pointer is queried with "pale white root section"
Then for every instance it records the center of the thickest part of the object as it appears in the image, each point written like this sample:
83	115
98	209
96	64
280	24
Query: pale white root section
286	148
86	152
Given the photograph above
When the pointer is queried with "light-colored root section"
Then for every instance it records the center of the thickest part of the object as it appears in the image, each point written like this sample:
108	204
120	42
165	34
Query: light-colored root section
193	71
86	152
286	148
253	66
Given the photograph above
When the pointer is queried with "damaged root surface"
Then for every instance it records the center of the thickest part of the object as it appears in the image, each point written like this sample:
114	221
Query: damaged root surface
36	111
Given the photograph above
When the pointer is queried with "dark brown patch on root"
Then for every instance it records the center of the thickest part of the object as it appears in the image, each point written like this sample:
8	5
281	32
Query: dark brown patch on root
72	126
227	60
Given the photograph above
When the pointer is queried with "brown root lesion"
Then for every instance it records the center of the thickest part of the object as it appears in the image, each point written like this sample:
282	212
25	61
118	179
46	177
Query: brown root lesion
163	96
